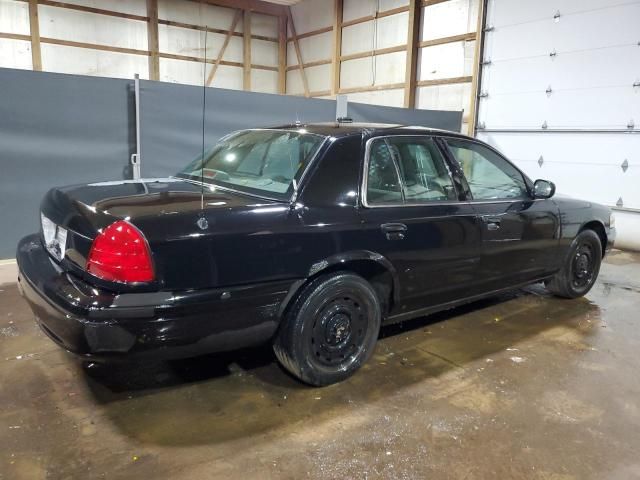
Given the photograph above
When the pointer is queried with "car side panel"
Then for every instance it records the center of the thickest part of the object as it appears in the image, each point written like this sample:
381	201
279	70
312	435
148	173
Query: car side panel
520	241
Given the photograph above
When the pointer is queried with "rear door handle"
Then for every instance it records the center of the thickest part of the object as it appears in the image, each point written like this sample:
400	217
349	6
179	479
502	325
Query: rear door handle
394	231
492	222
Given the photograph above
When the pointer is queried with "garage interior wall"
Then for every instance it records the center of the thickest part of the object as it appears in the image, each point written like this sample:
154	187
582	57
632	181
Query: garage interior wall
565	105
401	53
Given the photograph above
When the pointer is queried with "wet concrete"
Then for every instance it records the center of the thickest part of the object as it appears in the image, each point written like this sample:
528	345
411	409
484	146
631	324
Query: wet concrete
520	386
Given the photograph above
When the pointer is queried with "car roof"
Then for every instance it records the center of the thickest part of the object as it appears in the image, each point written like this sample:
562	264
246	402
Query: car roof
342	129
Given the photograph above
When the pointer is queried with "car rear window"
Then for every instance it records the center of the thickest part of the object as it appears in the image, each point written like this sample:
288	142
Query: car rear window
262	162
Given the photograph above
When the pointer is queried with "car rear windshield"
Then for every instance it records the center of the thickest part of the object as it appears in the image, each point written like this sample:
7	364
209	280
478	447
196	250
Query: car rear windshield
260	162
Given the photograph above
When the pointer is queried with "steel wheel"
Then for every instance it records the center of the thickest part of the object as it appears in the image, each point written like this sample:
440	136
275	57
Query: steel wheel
331	329
338	332
581	267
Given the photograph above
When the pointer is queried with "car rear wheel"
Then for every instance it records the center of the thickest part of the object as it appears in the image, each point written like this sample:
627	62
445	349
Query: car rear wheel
581	267
330	330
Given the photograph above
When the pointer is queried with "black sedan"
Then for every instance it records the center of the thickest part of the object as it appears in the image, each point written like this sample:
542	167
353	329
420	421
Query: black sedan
306	236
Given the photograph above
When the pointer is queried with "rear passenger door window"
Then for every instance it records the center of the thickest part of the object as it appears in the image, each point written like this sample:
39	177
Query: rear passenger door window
407	170
383	181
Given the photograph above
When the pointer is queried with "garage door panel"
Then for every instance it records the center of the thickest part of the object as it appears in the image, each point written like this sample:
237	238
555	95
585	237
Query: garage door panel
589	109
606	67
507	42
525	110
594	159
587	30
585	69
589	187
591	75
587	149
581	31
518	75
509	12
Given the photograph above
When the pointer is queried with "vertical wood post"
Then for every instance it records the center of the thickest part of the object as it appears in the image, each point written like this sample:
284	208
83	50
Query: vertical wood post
152	40
36	55
282	54
411	69
246	83
337	46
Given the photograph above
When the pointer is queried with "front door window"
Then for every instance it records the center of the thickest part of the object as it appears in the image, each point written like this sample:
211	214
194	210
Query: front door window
490	177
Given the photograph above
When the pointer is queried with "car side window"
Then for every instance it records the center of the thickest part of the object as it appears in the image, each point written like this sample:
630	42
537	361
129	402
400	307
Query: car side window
407	170
490	177
424	173
383	183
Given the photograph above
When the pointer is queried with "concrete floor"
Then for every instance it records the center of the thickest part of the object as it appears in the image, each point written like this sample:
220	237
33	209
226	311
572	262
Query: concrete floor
522	386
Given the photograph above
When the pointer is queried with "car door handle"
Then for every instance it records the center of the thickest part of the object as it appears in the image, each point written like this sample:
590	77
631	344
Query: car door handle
394	231
492	222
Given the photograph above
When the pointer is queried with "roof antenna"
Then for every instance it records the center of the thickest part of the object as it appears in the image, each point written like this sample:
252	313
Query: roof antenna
202	221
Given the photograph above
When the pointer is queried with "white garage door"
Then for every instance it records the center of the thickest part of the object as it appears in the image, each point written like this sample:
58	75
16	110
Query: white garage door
560	94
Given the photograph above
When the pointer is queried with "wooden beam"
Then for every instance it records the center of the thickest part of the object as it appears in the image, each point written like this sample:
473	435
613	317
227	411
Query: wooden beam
426	3
337	46
370	18
99	11
15	36
246	50
310	33
152	40
253	5
227	39
93	46
310	64
477	75
411	67
380	51
221	31
282	55
373	88
191	58
444	81
296	44
463	37
36	55
320	93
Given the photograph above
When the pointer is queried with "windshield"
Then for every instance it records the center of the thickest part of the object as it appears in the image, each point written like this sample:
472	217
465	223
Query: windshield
262	162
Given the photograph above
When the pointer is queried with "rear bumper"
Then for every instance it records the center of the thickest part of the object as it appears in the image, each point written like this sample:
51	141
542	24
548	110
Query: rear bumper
103	325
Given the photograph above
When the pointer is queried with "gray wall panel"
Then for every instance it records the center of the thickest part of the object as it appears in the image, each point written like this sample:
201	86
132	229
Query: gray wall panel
172	119
445	120
57	130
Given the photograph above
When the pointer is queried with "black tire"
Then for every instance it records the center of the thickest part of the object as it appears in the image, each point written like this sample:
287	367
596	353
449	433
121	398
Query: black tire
580	269
330	330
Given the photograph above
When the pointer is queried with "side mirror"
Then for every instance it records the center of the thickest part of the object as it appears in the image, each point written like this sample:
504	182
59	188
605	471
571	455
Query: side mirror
543	189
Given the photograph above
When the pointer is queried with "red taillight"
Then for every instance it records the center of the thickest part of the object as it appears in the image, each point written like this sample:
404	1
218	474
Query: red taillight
120	253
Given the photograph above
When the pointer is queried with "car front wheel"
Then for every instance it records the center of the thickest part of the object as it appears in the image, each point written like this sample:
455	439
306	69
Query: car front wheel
330	330
581	267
